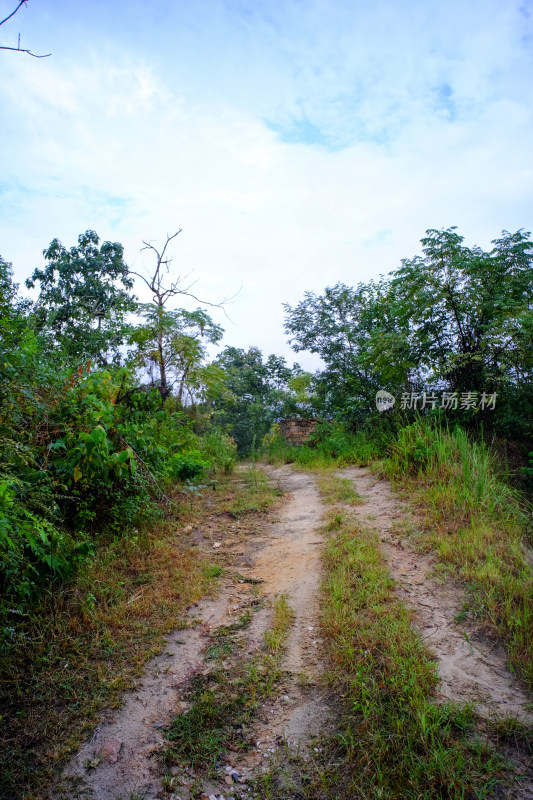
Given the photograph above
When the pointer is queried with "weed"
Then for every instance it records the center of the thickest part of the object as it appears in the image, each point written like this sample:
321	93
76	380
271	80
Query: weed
393	738
338	490
223	703
258	495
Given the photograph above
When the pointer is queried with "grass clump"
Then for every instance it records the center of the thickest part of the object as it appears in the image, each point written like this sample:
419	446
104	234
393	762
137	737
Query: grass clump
338	490
475	523
394	741
258	494
281	622
223	704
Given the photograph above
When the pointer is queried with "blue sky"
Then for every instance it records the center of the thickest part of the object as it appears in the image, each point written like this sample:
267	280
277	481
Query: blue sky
295	143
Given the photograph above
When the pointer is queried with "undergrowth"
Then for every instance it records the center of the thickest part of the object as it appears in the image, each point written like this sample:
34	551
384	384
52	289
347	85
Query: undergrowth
475	522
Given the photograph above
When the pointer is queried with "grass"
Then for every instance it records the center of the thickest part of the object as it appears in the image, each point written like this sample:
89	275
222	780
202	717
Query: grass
475	523
330	447
338	490
89	639
258	495
394	741
223	703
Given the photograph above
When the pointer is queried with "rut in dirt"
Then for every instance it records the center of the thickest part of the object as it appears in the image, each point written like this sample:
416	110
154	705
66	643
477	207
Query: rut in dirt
283	557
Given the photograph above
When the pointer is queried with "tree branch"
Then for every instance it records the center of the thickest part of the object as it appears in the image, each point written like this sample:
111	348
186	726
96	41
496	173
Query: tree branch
22	2
19	49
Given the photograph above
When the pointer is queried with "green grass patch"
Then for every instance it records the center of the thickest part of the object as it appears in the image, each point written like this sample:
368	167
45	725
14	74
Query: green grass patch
334	489
224	703
394	740
258	494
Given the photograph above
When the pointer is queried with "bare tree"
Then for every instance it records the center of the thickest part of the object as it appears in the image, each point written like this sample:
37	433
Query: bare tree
19	49
161	293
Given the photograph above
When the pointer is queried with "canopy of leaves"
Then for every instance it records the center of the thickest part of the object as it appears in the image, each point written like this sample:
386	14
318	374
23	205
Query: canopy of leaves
456	317
83	299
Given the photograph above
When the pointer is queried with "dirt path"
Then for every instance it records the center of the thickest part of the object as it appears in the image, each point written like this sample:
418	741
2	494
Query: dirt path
284	555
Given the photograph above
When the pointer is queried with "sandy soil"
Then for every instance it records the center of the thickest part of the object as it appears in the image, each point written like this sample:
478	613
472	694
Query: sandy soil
285	555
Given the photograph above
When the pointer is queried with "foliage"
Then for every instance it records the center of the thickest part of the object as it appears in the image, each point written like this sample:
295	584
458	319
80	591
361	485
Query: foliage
80	303
170	346
86	452
257	393
456	318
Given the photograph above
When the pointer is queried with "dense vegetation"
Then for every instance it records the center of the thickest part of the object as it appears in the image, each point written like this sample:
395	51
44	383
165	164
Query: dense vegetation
112	416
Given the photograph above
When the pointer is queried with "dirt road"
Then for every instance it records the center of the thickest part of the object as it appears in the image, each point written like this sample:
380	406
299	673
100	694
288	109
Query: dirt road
283	556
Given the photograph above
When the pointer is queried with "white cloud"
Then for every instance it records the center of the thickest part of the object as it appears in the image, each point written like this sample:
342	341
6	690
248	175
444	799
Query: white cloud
424	112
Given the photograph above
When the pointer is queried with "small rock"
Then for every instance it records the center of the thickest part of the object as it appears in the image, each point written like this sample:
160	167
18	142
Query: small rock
216	544
286	698
187	529
228	779
110	750
310	628
229	769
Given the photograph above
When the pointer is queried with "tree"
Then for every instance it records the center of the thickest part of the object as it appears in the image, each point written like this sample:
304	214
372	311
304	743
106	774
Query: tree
258	394
339	326
455	318
467	310
13	310
171	344
18	49
84	298
168	344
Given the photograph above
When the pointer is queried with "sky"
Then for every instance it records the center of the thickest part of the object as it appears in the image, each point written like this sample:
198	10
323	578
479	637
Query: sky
295	143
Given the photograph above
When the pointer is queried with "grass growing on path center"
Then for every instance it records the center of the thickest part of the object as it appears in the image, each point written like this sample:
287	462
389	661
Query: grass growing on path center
394	740
223	703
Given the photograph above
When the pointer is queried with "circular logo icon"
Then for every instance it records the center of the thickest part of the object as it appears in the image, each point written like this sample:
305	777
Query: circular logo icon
384	400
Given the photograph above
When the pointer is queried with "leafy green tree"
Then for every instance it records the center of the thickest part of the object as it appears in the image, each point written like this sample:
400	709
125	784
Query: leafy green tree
171	347
339	326
84	298
467	311
13	310
456	318
257	394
